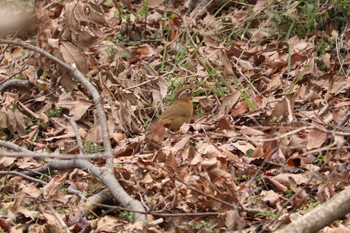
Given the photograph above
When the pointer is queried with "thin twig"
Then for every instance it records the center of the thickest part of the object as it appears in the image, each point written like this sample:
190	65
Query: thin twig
22	69
156	213
77	135
341	123
15	173
107	178
238	205
52	156
30	112
141	84
78	75
58	218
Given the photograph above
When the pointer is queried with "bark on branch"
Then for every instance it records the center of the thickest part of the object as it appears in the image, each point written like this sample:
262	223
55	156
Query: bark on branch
322	215
104	174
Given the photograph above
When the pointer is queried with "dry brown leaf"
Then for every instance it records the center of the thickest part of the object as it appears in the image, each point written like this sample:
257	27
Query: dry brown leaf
326	60
107	224
246	130
259	5
243	146
284	178
284	110
217	174
154	3
299	190
27	163
3	119
16	121
118	137
210	150
207	163
94	134
228	70
270	196
31	190
77	105
142	51
278	185
6	161
155	134
227	104
316	137
73	55
27	213
224	124
240	109
339	84
52	187
230	219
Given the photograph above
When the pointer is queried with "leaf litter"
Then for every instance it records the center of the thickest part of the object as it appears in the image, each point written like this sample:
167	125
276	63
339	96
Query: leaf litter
264	125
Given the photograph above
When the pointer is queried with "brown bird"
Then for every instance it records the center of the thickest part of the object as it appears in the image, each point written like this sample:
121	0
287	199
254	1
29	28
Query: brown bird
180	111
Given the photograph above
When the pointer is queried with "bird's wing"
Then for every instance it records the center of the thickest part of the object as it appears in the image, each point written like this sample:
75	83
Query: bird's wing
182	110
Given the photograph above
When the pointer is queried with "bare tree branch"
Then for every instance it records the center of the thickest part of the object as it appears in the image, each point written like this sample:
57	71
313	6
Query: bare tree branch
77	135
53	156
104	174
15	173
322	215
78	75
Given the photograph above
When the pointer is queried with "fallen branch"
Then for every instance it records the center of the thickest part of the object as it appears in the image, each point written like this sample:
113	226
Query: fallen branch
15	84
15	173
322	215
79	76
52	156
106	173
326	213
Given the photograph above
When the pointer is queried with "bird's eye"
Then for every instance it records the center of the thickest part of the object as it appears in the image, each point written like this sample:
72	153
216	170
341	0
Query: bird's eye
186	91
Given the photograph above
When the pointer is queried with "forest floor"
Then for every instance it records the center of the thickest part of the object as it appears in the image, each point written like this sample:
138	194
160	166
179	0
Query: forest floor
269	138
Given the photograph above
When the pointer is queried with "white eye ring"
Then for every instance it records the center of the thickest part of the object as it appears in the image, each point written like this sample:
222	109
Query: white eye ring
186	91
